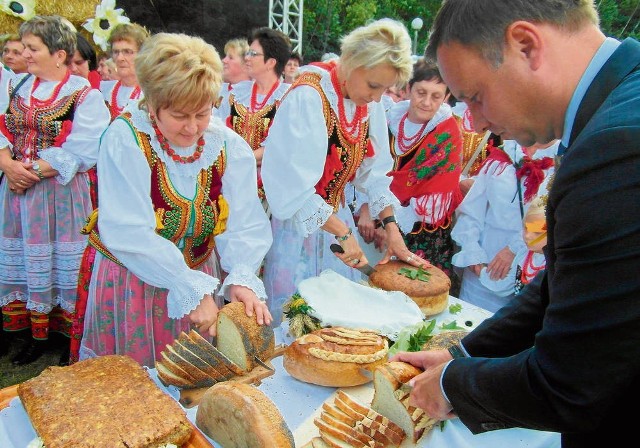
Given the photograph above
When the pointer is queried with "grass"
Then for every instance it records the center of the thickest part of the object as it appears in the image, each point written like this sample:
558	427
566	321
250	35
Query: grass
10	374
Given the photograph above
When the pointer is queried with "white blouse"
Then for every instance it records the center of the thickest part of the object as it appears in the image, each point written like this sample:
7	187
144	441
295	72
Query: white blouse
79	151
297	142
127	221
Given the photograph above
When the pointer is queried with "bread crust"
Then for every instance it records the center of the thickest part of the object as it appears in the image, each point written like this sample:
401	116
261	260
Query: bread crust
431	296
240	415
335	356
105	401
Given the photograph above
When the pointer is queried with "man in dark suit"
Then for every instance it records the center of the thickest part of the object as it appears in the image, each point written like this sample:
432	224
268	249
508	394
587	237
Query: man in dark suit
564	355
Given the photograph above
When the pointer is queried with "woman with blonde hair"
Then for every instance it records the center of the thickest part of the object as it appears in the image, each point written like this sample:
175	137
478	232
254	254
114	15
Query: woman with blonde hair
177	190
331	130
49	138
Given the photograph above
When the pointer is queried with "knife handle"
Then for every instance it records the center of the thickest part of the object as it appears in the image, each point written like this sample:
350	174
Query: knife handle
336	248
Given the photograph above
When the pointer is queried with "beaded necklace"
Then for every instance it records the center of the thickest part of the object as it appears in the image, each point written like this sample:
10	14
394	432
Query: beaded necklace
529	271
411	141
164	144
255	105
113	107
54	95
353	128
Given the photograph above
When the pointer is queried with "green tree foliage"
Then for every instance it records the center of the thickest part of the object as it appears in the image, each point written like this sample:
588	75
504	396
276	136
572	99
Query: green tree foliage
326	21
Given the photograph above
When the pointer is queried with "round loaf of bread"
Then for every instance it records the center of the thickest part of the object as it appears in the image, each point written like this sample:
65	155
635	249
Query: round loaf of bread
238	415
336	356
444	340
240	337
432	296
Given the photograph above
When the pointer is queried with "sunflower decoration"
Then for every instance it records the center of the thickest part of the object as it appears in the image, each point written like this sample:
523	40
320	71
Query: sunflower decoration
23	9
106	18
300	321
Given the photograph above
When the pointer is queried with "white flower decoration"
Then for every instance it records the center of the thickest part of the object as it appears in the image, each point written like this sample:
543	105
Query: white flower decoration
23	9
107	17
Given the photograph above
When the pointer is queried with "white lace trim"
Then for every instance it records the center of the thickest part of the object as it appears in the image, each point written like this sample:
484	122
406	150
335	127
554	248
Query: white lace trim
242	275
213	142
312	215
62	161
33	264
181	302
332	96
45	308
380	197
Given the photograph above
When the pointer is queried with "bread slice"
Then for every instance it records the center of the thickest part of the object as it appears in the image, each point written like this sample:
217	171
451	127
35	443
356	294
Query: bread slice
175	368
202	379
215	367
337	442
392	400
345	432
317	442
367	411
238	415
240	337
223	361
374	429
196	361
168	378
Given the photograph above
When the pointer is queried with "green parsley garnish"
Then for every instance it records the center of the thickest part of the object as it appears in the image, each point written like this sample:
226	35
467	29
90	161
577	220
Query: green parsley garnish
451	326
415	274
421	337
455	308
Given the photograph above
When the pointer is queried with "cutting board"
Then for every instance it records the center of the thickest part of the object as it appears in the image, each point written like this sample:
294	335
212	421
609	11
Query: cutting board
197	440
191	397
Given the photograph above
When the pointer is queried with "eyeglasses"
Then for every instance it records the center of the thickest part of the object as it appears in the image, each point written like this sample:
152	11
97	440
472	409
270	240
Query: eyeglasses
251	53
126	52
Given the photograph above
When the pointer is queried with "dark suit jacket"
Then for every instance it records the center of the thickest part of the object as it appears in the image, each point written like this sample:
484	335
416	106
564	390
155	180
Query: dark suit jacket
565	354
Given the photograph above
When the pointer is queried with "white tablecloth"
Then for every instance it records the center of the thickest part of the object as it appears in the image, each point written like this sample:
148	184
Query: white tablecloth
300	402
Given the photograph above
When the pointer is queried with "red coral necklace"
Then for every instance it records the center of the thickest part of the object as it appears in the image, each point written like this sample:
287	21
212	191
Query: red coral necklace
529	271
164	144
351	129
410	141
255	105
113	107
54	94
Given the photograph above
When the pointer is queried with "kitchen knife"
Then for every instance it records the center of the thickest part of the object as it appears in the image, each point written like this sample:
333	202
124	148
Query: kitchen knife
367	269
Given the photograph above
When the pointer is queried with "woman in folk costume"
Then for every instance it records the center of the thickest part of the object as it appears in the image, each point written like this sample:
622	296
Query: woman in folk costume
177	190
251	105
426	146
489	219
331	130
529	261
49	139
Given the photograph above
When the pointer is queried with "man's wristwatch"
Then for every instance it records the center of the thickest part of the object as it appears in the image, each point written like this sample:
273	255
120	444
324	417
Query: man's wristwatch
388	219
456	351
38	170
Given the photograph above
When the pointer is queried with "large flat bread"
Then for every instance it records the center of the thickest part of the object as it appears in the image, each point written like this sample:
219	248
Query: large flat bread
109	401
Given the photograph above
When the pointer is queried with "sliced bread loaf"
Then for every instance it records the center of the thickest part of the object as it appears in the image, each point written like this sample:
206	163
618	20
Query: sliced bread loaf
221	358
240	337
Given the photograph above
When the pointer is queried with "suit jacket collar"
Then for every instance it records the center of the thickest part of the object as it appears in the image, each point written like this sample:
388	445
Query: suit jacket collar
623	61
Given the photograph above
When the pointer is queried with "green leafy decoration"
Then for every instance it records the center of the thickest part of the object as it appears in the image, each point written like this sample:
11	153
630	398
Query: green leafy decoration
455	308
451	326
421	337
416	274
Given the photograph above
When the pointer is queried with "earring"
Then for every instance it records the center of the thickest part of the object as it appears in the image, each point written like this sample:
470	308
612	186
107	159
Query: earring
57	65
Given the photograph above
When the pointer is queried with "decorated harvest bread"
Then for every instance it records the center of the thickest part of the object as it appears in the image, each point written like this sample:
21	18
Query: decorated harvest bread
428	287
238	415
335	356
391	399
107	401
240	337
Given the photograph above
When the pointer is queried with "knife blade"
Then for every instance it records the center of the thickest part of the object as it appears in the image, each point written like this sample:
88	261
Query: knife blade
367	269
262	363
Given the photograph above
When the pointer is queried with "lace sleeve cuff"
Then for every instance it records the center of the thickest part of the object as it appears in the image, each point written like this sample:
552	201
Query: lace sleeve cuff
312	215
185	297
64	163
242	275
380	197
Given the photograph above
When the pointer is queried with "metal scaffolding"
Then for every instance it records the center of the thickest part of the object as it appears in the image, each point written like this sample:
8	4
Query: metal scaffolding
286	16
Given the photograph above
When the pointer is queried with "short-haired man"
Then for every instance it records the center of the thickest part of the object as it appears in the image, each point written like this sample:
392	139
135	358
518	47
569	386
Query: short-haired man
564	355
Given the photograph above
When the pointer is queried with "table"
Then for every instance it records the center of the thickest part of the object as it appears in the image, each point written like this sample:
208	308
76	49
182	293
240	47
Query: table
300	402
